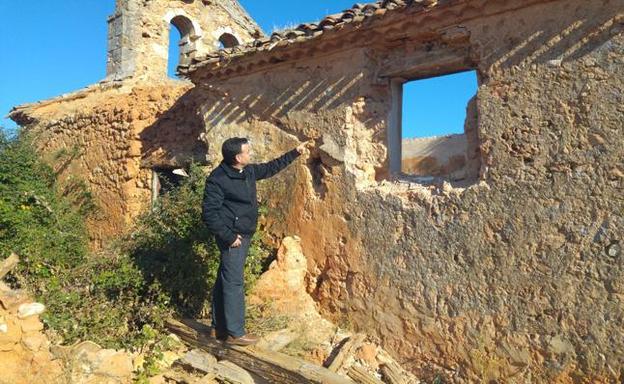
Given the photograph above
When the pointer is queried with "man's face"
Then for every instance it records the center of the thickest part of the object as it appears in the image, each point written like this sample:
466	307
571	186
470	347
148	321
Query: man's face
244	158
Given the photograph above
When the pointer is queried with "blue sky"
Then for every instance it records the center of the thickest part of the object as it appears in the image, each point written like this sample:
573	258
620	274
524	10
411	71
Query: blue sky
51	47
437	106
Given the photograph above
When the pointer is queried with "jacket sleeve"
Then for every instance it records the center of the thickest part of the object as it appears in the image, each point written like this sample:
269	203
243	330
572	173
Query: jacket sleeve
211	213
271	168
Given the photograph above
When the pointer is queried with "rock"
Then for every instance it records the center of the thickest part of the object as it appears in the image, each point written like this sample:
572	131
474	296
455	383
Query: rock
34	341
555	63
11	299
31	324
11	365
200	360
31	309
615	173
277	340
284	286
331	149
92	364
232	373
158	379
22	366
614	249
596	139
558	345
368	354
12	335
284	283
85	347
112	363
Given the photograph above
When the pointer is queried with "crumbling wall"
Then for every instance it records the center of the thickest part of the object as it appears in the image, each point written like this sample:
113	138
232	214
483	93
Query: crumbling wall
512	278
95	135
435	156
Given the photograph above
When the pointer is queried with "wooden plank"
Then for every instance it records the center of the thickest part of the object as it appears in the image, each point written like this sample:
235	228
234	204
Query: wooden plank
361	376
272	366
8	264
347	349
393	374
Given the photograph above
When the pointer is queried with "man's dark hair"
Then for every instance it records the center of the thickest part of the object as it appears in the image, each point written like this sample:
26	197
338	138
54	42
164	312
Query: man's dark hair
232	147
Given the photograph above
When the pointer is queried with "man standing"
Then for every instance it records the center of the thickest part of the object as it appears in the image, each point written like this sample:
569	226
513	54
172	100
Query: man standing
230	210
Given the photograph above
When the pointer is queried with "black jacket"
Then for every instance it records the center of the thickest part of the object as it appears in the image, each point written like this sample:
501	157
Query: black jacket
230	205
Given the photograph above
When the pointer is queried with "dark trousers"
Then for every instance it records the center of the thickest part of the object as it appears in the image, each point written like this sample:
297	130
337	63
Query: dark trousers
228	294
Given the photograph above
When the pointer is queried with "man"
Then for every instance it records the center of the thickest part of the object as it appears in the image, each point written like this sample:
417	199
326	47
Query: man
230	210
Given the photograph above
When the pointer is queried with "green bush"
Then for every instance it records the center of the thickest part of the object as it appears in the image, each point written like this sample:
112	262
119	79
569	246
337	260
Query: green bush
36	221
166	265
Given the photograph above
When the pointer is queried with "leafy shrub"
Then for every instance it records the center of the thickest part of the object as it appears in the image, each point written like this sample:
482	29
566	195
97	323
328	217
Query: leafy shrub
36	222
166	265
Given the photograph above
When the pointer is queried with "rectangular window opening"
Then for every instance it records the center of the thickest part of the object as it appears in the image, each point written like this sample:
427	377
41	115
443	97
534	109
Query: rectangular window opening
435	120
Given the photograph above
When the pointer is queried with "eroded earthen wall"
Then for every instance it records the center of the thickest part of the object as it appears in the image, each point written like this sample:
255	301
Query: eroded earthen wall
95	136
516	277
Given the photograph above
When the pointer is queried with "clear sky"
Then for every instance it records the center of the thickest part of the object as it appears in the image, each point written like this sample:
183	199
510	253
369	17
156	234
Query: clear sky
51	47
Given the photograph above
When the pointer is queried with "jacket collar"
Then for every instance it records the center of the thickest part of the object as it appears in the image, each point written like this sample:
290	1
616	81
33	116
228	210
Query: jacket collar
232	172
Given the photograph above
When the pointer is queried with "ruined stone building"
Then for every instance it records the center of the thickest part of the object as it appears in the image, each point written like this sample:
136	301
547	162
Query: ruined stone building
505	265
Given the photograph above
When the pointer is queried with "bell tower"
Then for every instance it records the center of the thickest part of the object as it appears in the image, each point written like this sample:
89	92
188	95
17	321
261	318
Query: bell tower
138	33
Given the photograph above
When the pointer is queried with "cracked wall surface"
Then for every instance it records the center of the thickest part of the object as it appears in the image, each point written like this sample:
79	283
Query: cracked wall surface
513	277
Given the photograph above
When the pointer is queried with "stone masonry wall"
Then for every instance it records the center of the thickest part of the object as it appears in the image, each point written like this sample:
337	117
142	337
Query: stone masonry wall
138	40
513	279
94	135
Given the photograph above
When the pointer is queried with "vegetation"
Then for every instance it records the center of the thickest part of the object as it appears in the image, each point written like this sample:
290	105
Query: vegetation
119	296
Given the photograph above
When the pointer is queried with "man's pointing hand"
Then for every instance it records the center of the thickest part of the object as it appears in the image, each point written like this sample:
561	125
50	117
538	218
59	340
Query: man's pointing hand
301	148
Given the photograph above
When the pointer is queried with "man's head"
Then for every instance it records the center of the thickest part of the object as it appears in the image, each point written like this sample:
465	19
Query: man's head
236	151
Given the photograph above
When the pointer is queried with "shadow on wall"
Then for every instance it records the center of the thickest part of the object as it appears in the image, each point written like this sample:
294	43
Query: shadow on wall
570	42
270	102
173	139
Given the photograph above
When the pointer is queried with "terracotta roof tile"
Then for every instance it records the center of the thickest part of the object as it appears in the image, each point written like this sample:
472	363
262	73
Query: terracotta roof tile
359	13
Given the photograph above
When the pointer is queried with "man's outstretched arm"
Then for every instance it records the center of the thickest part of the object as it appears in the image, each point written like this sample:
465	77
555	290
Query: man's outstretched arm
269	169
211	207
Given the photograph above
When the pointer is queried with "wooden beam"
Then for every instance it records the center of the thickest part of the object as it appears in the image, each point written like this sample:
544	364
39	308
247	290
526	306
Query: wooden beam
8	264
392	373
272	366
361	376
347	349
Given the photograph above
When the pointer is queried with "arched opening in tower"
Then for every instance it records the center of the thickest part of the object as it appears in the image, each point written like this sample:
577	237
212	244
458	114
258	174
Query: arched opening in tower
227	40
181	44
